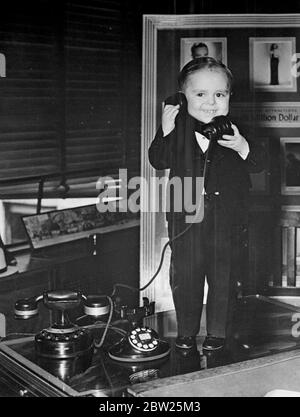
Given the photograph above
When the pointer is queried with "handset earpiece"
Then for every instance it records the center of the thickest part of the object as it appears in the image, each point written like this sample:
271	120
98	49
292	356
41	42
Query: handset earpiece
217	127
27	308
177	98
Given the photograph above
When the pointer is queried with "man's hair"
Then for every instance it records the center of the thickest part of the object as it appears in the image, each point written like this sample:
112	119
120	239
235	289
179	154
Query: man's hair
201	63
196	46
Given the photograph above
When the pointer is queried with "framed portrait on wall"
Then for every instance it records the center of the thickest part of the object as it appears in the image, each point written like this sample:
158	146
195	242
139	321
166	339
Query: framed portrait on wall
261	181
290	165
270	63
191	48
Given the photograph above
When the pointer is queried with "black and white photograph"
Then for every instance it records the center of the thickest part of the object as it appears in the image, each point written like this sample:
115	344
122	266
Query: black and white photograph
271	62
260	182
290	148
192	48
149	203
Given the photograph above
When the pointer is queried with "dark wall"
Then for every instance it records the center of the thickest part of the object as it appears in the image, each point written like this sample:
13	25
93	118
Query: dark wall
135	9
111	80
71	99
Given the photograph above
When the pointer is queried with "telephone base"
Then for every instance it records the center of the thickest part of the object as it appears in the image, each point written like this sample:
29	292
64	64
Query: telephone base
66	368
123	352
63	343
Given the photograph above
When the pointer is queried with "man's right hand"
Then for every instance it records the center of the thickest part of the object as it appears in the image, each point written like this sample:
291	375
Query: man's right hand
168	118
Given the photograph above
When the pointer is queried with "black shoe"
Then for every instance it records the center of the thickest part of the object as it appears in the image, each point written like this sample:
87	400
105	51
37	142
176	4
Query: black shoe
212	343
186	342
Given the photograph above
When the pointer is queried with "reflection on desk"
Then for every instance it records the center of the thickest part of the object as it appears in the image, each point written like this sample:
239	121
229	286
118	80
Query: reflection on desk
226	374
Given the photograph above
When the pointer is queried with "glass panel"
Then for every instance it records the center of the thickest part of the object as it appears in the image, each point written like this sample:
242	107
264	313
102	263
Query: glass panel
11	211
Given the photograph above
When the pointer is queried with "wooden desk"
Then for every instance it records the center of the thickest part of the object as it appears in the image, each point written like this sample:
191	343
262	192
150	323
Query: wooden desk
253	378
75	266
177	375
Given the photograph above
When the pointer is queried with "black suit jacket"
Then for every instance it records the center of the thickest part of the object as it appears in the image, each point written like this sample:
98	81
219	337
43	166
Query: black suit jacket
228	173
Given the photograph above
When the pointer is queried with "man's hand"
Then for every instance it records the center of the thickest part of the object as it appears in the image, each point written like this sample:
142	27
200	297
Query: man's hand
237	142
168	118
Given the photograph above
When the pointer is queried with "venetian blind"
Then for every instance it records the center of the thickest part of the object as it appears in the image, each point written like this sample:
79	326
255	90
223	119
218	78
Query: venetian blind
28	117
62	101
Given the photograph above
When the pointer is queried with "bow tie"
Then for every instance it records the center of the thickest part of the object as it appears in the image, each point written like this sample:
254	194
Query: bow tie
199	126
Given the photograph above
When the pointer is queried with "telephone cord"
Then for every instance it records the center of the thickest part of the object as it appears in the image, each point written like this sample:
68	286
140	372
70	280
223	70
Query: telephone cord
205	173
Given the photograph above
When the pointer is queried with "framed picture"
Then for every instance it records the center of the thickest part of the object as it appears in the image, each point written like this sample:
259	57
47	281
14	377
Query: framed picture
261	180
270	61
191	48
167	43
61	226
290	165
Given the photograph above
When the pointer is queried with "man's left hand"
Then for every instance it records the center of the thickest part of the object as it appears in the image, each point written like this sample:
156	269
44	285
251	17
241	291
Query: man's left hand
237	142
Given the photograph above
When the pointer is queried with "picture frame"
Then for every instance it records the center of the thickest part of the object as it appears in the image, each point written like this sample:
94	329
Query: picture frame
290	245
290	165
162	36
270	63
261	180
61	226
191	48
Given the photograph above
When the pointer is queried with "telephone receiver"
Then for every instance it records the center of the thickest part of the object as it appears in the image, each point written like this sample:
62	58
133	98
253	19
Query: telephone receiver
63	340
61	301
177	98
215	129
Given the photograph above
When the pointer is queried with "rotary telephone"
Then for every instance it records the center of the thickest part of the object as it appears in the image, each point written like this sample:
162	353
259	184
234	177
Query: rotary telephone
141	343
65	340
215	129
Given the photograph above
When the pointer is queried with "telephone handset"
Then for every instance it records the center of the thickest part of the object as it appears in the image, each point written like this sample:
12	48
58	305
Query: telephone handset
61	301
63	339
215	129
177	98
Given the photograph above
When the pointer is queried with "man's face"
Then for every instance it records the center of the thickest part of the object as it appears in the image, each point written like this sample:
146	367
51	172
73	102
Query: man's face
207	94
200	51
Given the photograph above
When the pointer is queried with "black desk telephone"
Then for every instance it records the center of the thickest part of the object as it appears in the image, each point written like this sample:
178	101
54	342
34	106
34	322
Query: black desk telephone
215	129
141	343
65	340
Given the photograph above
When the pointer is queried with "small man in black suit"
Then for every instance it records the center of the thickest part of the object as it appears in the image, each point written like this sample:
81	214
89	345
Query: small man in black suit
205	249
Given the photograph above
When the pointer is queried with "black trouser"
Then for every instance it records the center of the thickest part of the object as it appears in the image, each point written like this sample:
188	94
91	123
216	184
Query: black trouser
204	250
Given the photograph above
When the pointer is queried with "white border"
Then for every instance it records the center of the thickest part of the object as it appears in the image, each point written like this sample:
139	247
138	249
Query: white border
266	87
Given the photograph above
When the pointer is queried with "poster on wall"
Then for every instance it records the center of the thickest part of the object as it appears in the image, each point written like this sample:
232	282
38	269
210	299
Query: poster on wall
191	48
267	114
290	165
260	181
271	62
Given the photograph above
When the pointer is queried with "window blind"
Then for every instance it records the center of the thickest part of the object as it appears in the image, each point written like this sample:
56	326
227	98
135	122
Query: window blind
28	138
94	94
63	106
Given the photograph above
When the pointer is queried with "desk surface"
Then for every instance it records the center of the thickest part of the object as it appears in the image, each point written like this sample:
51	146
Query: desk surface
101	376
252	378
274	364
